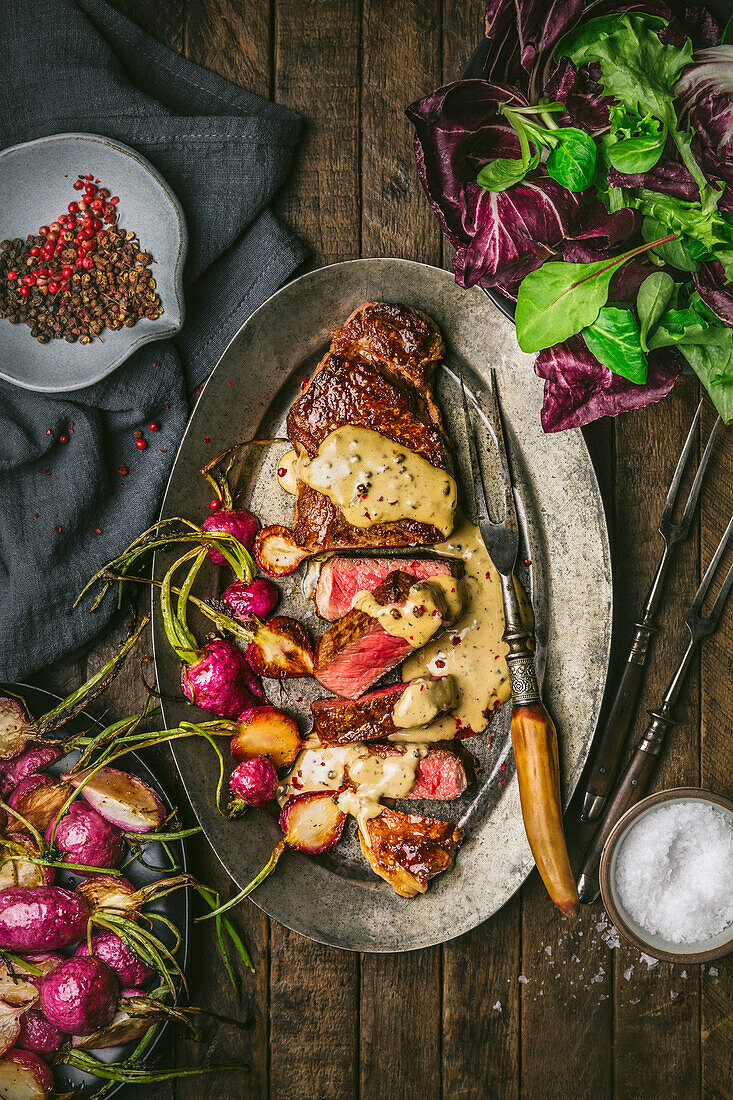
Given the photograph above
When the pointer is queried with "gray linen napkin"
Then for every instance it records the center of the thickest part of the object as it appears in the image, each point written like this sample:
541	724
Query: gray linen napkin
65	508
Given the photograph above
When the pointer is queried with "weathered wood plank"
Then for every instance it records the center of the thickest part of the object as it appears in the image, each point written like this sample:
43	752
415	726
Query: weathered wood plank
314	989
233	38
317	73
402	59
716	769
657	1036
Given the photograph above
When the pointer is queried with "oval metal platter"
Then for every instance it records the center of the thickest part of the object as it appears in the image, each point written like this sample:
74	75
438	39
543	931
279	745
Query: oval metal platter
175	906
335	898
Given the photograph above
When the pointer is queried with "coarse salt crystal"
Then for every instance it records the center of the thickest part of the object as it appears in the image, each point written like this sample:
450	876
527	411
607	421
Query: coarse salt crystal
674	871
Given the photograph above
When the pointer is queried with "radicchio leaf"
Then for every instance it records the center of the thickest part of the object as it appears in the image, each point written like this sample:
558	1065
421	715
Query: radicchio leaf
668	177
579	389
580	91
715	292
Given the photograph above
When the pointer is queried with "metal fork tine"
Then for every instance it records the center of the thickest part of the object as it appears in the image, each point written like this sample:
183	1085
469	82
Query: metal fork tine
510	508
479	491
697	483
681	463
707	579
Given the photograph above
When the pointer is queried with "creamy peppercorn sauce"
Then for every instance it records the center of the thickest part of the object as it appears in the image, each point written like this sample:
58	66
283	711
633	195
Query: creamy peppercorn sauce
373	777
457	675
373	480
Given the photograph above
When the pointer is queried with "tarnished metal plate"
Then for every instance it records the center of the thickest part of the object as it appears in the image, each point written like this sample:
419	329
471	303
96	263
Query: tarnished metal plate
335	898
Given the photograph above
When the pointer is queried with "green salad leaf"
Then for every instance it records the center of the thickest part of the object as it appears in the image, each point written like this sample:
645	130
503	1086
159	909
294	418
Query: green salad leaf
572	158
713	365
614	339
635	143
559	299
651	302
639	70
503	173
675	253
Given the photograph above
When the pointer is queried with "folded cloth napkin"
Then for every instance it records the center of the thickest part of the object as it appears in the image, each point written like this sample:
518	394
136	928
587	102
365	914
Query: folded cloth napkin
66	508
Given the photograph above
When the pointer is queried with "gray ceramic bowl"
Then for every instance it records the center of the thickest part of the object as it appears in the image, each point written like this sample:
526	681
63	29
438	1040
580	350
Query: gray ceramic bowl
655	945
36	185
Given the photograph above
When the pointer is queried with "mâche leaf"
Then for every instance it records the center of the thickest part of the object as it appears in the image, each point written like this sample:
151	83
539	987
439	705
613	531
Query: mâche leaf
572	160
635	144
559	299
651	302
501	174
614	339
639	70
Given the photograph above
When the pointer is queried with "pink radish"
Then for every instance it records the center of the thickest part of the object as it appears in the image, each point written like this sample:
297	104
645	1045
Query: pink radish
39	1034
241	524
40	918
9	1026
256	598
24	1076
83	836
80	996
120	798
220	680
252	783
108	947
34	758
45	962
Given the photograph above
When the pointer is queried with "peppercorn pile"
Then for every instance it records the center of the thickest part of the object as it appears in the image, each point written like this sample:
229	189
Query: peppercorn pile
78	275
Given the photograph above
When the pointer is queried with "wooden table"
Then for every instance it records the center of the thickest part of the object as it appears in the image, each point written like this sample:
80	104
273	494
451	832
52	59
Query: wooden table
528	1004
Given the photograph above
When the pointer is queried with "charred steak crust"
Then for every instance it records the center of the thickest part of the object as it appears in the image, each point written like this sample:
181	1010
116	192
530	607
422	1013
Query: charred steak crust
347	631
408	849
347	721
376	375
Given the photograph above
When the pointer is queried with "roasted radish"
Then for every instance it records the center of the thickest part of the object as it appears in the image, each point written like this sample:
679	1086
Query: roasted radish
113	951
82	836
266	731
16	727
80	996
281	648
257	598
252	783
220	680
34	758
38	799
111	892
9	1026
276	551
16	869
126	1025
312	821
24	1076
40	918
241	524
39	1034
122	799
33	968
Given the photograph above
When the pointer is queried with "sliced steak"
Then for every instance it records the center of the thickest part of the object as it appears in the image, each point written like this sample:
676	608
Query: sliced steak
441	776
341	578
407	850
356	651
375	375
347	721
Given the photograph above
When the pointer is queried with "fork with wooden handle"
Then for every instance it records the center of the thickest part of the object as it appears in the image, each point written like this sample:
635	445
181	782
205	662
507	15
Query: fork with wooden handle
609	747
533	732
639	770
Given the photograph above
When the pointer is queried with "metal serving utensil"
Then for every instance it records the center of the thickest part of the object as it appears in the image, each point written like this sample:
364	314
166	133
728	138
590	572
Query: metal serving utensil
638	772
532	730
610	746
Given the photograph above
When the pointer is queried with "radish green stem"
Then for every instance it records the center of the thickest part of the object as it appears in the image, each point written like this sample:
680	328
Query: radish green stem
24	821
179	636
118	1071
252	886
79	698
182	606
23	964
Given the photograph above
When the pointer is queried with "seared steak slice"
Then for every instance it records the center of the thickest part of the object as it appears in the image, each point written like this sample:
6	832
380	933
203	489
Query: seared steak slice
376	375
407	850
347	721
356	651
341	578
441	774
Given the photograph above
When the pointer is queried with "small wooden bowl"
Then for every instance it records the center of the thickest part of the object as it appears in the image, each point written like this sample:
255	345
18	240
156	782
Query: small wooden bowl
655	945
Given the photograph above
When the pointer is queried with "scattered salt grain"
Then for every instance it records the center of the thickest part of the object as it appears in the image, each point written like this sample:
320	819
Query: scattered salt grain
628	973
713	971
675	871
497	1007
651	963
522	979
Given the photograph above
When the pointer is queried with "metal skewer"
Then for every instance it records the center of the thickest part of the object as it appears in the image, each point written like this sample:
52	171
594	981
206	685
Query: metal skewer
635	778
610	745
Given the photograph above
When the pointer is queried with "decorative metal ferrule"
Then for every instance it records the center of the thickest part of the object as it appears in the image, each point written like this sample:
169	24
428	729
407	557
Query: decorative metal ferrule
654	734
640	644
520	658
523	679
